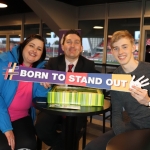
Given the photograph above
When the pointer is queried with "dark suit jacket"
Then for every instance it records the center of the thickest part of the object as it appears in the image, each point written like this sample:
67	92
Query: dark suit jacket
83	65
59	64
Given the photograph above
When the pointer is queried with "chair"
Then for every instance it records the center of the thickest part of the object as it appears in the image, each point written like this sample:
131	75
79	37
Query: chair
107	102
82	134
39	144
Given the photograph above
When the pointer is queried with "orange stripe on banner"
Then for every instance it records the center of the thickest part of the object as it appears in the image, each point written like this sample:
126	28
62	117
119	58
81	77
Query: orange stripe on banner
6	74
14	65
121	82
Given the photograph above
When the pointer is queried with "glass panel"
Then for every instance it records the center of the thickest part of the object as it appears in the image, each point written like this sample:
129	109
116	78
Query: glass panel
147	21
6	28
93	39
2	43
147	52
31	29
52	42
132	25
110	69
14	40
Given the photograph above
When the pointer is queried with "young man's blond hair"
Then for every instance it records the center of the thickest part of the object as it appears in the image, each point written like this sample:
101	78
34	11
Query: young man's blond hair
119	35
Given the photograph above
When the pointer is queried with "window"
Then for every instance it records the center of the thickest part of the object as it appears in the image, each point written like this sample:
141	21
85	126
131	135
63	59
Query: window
92	39
130	24
52	42
31	29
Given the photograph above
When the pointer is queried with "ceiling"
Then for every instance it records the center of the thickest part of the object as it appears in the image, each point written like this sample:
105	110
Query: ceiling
15	7
19	6
90	2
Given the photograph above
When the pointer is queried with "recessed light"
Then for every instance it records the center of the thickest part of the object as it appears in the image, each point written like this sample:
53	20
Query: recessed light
48	33
110	36
2	5
98	27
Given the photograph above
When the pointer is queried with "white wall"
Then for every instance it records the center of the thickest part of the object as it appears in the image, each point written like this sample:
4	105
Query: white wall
56	15
147	9
92	12
16	19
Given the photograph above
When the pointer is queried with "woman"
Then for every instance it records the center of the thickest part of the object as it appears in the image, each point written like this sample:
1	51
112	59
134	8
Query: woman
16	125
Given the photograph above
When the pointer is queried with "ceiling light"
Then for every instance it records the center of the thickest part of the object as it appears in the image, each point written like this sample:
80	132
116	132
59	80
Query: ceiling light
109	36
48	33
3	4
98	27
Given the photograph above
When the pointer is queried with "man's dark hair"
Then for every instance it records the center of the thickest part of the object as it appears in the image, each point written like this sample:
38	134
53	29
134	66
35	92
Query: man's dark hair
72	31
25	42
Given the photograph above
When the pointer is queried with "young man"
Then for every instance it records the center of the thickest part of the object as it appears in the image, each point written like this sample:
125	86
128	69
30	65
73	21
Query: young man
47	125
135	102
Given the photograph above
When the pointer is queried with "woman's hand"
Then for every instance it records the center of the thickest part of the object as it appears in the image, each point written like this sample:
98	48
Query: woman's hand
141	95
10	138
45	84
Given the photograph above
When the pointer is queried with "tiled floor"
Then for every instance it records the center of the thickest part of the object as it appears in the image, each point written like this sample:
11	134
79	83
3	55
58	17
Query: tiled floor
94	130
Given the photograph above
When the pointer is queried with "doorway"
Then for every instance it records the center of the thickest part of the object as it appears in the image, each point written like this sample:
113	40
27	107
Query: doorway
145	45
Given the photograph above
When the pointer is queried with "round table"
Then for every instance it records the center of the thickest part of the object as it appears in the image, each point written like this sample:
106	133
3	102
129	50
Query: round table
71	140
131	140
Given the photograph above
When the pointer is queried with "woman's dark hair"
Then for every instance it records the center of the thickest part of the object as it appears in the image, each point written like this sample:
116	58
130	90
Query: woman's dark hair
25	42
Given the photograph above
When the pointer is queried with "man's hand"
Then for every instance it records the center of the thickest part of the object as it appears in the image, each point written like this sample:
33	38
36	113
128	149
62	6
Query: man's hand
141	95
139	83
11	139
45	84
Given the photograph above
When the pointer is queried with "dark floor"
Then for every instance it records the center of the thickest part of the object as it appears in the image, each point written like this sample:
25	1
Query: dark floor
94	130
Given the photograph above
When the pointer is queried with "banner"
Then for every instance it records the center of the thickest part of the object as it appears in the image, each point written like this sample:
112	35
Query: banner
118	82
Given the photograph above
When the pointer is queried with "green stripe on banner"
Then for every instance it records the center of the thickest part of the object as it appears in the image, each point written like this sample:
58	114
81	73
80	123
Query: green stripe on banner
51	96
67	98
79	98
86	98
70	98
96	100
83	99
48	97
50	93
56	97
61	98
92	99
75	100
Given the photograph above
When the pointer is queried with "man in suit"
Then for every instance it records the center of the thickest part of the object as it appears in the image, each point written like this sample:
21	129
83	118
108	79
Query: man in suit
47	125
